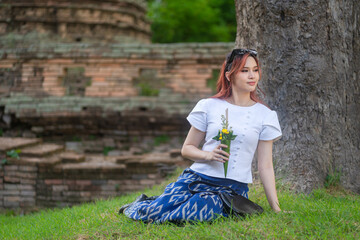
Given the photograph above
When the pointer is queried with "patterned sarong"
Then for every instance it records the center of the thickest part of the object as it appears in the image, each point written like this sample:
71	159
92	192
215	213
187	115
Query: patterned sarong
178	205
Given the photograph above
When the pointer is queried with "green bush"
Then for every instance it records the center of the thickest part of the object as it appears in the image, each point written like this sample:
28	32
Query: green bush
192	21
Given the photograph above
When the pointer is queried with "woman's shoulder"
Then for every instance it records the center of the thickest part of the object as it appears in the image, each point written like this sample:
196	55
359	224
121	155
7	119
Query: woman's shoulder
201	105
209	101
265	112
263	108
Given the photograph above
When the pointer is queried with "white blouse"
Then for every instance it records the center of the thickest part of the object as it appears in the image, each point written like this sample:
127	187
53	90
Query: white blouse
250	124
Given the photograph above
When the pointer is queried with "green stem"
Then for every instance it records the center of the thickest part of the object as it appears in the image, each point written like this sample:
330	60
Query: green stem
227	143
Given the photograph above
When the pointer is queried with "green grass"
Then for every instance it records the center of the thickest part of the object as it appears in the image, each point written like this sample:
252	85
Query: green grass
324	214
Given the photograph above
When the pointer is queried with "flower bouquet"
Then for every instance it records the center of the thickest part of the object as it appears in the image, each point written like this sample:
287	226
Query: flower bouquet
225	136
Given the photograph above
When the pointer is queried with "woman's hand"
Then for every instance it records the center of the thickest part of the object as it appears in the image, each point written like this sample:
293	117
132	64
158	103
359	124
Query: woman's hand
218	154
190	149
277	210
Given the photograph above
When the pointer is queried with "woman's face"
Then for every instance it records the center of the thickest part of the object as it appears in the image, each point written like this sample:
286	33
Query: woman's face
247	78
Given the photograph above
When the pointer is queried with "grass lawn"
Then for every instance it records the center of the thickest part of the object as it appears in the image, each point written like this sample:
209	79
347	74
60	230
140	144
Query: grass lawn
324	214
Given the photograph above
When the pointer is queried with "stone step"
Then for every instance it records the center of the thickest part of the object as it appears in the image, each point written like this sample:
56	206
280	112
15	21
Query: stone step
175	153
71	157
171	157
9	143
41	150
150	158
36	161
83	166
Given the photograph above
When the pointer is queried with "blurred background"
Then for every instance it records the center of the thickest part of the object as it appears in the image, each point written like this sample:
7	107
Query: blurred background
94	94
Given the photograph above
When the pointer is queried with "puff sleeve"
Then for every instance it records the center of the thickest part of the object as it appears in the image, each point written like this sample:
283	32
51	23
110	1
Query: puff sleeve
198	117
271	127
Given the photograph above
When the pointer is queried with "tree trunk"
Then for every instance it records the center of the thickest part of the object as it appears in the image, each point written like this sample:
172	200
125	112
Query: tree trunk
309	54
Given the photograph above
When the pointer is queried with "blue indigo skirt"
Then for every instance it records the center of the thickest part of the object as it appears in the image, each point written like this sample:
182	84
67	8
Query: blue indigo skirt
177	204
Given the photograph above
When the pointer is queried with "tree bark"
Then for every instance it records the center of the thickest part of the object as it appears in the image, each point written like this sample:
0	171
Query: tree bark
309	54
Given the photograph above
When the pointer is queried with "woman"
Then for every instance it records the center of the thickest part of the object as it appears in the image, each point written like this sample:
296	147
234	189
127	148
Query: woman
236	114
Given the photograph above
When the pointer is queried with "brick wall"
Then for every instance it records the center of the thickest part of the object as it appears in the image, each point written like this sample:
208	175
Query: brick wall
17	186
113	90
31	182
117	70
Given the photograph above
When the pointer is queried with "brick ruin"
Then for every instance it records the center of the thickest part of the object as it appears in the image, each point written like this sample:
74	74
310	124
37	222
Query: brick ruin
118	91
97	114
47	175
77	20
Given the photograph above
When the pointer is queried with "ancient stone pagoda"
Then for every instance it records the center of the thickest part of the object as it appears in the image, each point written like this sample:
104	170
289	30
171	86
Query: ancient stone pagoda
89	107
77	21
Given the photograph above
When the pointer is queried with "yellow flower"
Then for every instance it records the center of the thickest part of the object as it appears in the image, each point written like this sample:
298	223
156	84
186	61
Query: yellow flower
220	136
225	131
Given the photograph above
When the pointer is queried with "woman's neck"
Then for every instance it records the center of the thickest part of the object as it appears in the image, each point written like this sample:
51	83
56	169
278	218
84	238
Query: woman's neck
243	100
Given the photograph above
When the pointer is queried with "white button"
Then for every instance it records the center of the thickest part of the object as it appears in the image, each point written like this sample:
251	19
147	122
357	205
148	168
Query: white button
243	135
248	116
238	148
233	167
245	128
247	123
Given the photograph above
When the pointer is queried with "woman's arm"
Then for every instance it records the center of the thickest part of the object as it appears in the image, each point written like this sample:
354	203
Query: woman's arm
191	149
266	170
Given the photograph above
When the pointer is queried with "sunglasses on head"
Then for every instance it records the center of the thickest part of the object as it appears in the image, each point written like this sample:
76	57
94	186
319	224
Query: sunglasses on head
238	52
